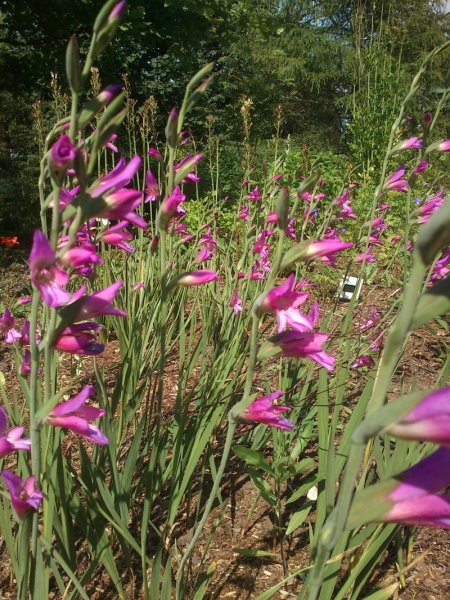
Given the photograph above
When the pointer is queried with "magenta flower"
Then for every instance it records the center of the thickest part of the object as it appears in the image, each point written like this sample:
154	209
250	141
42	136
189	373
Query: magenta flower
117	178
254	195
235	303
154	153
109	93
362	361
45	275
264	410
195	278
430	207
370	321
7	332
76	417
171	207
116	236
244	213
272	217
62	153
110	143
120	206
428	421
327	249
24	495
366	257
188	163
99	304
395	181
410	497
79	339
284	301
80	256
152	188
421	167
442	146
297	344
11	439
412	143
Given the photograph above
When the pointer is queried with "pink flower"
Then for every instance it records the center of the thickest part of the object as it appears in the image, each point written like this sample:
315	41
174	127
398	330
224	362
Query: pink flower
76	417
254	195
412	143
394	182
362	361
430	207
421	167
410	497
298	345
327	249
98	304
152	188
171	207
79	339
370	322
11	439
117	178
110	143
62	153
186	164
154	153
24	495
109	93
7	332
116	236
45	275
367	257
264	410
284	301
195	278
120	206
428	421
442	146
244	213
235	303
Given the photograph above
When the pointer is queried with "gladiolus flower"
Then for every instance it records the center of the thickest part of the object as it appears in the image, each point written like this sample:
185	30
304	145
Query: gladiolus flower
442	146
410	497
45	275
152	188
11	439
62	153
99	304
394	182
412	143
263	410
362	361
235	303
296	344
7	332
76	417
254	195
326	250
284	301
79	339
428	421
116	236
366	257
117	178
171	207
370	322
195	278
24	495
244	213
120	205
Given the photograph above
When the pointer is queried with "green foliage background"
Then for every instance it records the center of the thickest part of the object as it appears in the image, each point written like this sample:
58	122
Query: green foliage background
335	69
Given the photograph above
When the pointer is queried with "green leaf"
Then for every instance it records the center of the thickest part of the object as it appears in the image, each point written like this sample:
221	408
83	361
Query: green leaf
297	519
254	552
251	457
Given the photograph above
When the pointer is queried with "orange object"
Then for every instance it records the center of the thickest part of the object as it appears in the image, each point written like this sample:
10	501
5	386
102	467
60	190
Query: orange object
9	241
